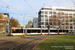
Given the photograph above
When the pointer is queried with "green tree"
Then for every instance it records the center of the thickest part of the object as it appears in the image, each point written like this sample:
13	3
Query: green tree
30	23
14	22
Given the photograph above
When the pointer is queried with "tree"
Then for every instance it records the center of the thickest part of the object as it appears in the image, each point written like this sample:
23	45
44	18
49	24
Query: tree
30	23
3	22
26	25
59	19
14	22
73	18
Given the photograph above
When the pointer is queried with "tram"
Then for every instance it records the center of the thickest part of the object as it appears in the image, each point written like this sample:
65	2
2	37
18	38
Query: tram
20	31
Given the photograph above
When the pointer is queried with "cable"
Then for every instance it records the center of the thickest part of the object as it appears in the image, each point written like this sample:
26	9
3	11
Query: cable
56	2
73	2
23	15
17	10
10	6
30	7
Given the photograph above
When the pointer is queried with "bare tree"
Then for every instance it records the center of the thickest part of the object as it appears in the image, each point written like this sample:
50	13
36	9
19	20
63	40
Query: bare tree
60	19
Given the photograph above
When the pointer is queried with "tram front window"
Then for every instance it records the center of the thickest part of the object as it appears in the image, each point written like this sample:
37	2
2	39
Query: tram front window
17	31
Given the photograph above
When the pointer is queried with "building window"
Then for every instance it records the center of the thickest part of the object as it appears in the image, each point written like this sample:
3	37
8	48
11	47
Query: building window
42	12
74	23
64	10
50	12
46	19
46	12
46	8
35	21
54	12
42	19
46	16
42	23
42	15
46	23
71	27
66	14
49	17
70	14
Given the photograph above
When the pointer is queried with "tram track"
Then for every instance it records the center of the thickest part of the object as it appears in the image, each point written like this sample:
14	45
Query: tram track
16	46
28	45
32	44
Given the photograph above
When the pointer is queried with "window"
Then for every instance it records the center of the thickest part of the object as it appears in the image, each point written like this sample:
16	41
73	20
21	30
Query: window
71	27
35	21
70	14
42	23
17	31
42	19
66	14
74	20
46	8
46	16
42	15
65	10
46	12
54	12
46	19
50	12
46	23
49	16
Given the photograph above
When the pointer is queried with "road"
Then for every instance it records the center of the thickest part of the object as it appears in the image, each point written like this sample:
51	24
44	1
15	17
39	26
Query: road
21	43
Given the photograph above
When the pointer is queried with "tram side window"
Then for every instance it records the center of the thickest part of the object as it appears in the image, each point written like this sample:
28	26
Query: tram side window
60	30
28	31
33	31
39	31
44	31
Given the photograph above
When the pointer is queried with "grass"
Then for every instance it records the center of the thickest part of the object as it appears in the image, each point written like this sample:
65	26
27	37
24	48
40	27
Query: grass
65	42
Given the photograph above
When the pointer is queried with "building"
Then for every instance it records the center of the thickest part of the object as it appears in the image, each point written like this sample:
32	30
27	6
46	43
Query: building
35	23
57	17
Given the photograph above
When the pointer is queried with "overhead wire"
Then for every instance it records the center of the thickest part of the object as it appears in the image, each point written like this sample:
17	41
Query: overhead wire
56	2
16	9
30	6
73	2
10	6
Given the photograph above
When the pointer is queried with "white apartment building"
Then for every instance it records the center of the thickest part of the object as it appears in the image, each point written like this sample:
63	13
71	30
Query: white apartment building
64	17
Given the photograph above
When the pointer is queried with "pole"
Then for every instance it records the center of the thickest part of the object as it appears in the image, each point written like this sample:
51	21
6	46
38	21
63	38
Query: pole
26	30
8	24
49	29
5	26
5	21
23	24
41	30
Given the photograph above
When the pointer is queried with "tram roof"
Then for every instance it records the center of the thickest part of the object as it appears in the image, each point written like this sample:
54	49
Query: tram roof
33	28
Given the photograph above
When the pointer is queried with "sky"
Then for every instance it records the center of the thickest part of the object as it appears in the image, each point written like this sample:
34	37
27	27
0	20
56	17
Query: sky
30	8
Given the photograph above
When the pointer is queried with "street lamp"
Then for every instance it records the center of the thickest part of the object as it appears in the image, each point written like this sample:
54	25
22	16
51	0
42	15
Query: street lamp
23	23
49	29
41	30
5	20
